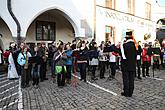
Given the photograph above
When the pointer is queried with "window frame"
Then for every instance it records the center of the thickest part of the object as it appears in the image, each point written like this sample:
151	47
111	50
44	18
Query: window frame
113	4
131	7
111	34
48	37
147	10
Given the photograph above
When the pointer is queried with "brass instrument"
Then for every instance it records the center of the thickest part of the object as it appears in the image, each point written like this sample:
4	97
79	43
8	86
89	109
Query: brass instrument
46	55
27	62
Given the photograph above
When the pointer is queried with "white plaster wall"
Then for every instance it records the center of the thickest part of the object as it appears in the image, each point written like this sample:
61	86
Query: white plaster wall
27	10
120	25
5	15
63	28
121	5
7	36
159	12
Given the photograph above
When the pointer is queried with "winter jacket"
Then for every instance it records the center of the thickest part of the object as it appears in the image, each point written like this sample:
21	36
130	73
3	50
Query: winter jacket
83	56
145	56
22	58
102	55
68	53
93	53
59	59
130	54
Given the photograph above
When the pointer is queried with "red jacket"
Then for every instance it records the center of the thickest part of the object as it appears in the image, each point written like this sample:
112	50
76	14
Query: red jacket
145	57
6	54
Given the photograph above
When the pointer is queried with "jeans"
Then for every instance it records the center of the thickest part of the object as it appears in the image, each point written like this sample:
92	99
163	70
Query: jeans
53	68
102	68
68	69
25	76
43	70
93	71
138	67
82	67
61	78
113	68
145	68
36	74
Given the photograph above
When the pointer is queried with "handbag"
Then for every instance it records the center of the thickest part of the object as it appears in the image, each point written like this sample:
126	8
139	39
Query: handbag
58	69
94	61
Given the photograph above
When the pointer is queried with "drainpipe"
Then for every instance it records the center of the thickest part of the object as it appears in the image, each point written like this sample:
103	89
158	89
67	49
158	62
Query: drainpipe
94	20
16	21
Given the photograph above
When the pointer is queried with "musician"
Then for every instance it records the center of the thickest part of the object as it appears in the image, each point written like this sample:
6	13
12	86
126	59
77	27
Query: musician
102	60
129	61
82	59
93	59
36	67
112	60
68	62
59	58
156	51
43	52
139	52
73	46
22	60
52	50
146	59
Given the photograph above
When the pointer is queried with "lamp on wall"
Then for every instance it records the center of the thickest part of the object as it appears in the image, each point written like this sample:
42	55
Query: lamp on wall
1	35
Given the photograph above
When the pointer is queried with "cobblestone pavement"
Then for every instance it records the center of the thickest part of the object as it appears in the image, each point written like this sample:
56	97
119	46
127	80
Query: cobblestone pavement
149	94
102	94
8	93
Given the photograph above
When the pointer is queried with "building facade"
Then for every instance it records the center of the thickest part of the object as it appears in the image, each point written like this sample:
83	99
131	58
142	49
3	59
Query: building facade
46	20
160	20
53	20
115	17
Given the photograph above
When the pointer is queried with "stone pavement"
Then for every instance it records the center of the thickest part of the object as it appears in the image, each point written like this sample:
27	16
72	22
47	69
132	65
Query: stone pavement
8	93
149	94
102	94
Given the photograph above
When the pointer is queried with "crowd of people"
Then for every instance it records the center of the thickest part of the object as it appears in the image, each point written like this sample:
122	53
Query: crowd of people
63	59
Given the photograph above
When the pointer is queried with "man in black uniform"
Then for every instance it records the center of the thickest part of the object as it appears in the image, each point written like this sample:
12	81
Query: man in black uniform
129	65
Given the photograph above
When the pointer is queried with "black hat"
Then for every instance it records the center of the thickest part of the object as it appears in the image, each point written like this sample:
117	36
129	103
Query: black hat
129	33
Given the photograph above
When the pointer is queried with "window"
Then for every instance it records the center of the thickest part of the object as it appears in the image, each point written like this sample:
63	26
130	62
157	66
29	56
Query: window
110	4
109	34
148	10
45	30
131	6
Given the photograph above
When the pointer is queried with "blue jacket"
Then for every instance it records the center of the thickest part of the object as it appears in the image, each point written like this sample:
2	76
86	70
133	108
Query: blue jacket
22	58
68	61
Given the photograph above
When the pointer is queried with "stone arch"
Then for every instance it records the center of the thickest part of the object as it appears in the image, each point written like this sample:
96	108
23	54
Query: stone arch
160	30
6	37
63	12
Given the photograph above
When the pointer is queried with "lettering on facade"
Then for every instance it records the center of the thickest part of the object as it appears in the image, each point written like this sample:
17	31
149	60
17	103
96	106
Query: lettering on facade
125	18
